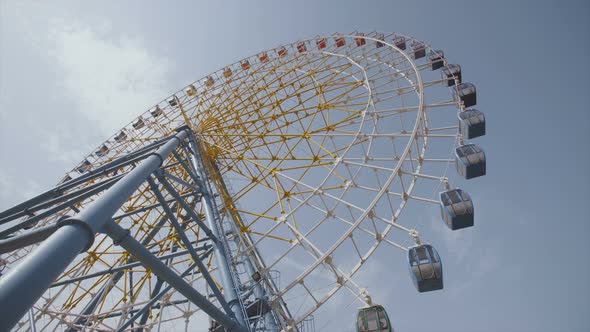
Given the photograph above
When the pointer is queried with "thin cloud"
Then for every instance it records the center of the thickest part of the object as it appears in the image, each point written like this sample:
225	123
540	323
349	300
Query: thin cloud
112	79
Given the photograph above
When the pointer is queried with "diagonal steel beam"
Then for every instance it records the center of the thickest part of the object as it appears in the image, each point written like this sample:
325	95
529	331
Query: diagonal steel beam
121	237
104	169
125	267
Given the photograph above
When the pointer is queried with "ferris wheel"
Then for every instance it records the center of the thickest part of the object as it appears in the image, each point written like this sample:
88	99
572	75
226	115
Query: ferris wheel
252	197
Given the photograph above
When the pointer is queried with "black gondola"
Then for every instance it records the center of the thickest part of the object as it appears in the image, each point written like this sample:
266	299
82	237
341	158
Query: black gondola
456	209
400	42
472	123
451	75
425	268
418	50
466	93
373	319
470	161
380	39
436	59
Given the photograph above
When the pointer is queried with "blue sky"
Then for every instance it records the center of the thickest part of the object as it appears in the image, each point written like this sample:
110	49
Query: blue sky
72	74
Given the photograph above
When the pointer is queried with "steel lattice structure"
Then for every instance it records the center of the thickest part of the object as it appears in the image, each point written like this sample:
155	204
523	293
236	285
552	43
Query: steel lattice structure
296	162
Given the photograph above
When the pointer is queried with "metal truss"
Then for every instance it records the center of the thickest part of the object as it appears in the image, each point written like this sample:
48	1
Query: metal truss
64	222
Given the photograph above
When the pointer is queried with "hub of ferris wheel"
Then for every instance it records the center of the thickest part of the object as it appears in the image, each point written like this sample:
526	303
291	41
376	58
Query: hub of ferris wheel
252	197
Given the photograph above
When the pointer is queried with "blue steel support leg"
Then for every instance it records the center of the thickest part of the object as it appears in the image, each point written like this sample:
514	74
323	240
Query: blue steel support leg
259	291
22	286
229	286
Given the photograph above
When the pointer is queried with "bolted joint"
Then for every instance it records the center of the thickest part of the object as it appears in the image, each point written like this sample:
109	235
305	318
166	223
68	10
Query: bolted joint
67	220
117	233
159	172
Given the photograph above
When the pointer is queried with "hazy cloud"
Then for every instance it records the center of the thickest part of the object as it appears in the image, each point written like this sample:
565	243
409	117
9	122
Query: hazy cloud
112	79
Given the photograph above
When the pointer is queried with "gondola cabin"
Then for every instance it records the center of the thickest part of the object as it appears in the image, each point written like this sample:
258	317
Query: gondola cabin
470	161
84	167
209	81
190	90
121	137
373	319
418	50
456	209
451	75
359	40
466	94
339	41
425	268
65	179
321	43
156	111
472	123
245	65
281	52
173	101
380	39
227	72
102	151
301	48
436	59
400	42
138	124
263	57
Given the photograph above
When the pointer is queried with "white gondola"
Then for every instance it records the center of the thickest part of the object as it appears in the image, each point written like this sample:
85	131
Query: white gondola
102	151
121	137
470	161
451	75
425	268
156	111
172	101
466	94
456	209
472	123
138	124
84	166
373	318
190	90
